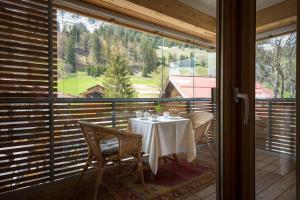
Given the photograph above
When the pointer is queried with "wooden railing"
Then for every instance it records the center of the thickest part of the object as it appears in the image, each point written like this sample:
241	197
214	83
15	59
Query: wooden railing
35	149
70	148
276	125
38	146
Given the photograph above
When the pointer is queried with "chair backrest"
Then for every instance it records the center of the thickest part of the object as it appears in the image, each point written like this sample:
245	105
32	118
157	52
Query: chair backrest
201	122
93	135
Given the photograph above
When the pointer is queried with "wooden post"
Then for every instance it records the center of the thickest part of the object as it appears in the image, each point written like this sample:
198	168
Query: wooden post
269	134
188	106
298	104
51	99
113	106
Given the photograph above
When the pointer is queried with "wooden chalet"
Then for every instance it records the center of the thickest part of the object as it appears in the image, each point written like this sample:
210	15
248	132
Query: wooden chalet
96	91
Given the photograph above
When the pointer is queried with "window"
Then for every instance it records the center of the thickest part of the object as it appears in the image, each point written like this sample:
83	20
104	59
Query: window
97	59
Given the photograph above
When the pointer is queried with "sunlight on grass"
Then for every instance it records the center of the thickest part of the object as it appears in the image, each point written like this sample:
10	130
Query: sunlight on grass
78	83
201	71
74	84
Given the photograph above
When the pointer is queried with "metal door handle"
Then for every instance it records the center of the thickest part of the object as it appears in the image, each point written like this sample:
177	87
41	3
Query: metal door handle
239	96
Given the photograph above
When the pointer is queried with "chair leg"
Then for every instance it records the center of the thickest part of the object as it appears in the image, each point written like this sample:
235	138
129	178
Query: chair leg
98	180
210	147
140	169
119	162
82	173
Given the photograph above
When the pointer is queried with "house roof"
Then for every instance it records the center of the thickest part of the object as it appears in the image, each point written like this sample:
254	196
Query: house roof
64	95
190	87
262	92
202	87
95	88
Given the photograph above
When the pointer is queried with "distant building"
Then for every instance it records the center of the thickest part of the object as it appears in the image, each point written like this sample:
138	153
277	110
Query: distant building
96	91
64	95
201	87
189	87
262	92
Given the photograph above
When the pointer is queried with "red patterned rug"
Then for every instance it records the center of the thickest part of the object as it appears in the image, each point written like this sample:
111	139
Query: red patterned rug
173	181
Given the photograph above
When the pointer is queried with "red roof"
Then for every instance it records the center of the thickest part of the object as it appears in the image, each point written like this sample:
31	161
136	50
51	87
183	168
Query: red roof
262	92
202	87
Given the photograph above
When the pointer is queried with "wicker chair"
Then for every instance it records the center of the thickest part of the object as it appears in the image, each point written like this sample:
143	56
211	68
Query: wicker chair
201	122
109	145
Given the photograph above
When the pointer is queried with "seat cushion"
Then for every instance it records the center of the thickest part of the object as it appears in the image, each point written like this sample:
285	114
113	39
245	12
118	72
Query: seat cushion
109	147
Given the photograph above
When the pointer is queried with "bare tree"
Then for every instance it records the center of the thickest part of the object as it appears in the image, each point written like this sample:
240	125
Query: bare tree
276	63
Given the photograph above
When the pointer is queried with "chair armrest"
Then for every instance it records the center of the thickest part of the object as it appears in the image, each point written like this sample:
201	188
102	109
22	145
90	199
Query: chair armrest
129	143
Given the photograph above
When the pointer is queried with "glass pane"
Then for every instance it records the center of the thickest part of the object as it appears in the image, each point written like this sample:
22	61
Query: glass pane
275	112
97	59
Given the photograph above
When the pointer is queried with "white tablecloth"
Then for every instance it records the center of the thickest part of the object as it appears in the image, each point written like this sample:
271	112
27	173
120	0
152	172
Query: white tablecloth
164	137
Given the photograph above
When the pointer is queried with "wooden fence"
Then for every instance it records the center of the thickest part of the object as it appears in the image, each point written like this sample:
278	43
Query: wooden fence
31	152
27	148
276	125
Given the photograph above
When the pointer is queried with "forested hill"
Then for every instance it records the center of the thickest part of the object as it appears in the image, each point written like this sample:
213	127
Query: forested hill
80	47
86	48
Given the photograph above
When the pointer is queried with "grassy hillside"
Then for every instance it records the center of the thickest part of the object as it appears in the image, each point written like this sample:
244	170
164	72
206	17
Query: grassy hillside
75	84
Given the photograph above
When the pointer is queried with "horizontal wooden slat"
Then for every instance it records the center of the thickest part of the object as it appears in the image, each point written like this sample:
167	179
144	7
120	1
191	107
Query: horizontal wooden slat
25	82
8	56
279	122
24	6
30	47
24	71
38	179
70	148
30	22
11	49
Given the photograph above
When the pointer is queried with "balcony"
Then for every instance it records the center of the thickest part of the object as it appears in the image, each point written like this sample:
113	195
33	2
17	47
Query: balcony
42	63
30	157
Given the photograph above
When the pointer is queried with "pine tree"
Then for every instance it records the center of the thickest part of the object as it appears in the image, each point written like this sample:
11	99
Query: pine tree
170	58
145	71
96	47
163	60
117	82
181	61
149	56
192	59
71	51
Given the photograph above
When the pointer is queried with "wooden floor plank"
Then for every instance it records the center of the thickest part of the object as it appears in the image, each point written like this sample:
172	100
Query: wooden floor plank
275	175
271	167
289	194
211	197
206	192
278	187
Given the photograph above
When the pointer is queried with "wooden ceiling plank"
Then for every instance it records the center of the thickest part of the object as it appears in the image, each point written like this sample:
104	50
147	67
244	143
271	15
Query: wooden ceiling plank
276	16
165	13
178	16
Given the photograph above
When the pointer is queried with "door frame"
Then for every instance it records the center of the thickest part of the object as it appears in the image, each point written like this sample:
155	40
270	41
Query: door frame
236	50
236	61
298	104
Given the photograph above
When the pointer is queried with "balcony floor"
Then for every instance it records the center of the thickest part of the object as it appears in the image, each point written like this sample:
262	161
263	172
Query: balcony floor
275	179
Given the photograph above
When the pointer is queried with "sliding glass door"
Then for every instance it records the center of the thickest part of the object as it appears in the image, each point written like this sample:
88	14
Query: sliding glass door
275	100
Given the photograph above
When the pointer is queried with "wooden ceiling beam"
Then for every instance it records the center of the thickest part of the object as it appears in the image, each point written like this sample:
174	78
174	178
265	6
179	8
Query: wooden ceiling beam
276	16
180	17
168	13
